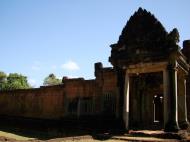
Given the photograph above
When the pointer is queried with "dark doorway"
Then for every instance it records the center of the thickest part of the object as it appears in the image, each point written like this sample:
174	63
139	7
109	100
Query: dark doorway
146	108
158	108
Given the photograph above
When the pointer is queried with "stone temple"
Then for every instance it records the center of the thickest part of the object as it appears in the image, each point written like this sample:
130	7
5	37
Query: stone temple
148	86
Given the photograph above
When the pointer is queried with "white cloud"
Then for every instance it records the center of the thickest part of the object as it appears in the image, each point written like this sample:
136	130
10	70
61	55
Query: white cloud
70	65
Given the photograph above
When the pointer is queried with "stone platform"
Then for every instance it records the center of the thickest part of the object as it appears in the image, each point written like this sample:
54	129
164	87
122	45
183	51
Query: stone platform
152	135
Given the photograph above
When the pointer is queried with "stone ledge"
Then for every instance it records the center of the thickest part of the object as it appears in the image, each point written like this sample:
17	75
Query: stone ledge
181	135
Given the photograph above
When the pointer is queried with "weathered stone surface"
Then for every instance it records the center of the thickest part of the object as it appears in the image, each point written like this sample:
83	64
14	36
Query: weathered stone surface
186	52
75	97
144	45
143	39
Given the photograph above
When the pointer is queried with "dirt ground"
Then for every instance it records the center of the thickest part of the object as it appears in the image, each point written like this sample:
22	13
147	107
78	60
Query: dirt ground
86	139
10	137
76	139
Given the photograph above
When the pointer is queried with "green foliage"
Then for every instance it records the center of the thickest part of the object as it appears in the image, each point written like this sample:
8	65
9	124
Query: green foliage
17	81
3	77
13	81
51	80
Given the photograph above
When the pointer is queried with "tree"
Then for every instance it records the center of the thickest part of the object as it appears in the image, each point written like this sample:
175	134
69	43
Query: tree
16	81
51	80
13	81
3	79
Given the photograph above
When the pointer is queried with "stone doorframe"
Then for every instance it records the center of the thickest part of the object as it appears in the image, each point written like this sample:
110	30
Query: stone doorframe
169	90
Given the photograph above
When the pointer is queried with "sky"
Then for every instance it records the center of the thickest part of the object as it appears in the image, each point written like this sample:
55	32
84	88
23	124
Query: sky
66	37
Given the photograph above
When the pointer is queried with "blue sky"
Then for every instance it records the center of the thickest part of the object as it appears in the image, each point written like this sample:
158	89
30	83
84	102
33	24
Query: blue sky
66	37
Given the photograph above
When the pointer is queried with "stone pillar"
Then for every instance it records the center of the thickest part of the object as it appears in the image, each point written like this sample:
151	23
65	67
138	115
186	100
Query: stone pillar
120	84
183	121
166	93
172	123
126	102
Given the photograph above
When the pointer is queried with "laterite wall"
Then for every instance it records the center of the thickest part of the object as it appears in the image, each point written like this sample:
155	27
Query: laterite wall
73	99
33	103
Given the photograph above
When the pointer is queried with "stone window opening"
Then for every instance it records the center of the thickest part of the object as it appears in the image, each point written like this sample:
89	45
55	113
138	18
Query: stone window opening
157	106
109	103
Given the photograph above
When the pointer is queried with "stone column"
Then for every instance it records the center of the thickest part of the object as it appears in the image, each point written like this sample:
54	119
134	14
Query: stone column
172	123
166	93
126	102
184	124
120	84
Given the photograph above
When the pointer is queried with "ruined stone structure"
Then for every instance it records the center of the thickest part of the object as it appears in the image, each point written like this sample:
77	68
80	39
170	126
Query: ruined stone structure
150	68
73	99
186	52
147	87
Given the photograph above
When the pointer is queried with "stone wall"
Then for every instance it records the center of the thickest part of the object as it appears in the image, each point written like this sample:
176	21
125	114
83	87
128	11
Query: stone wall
33	103
107	80
73	99
188	96
186	52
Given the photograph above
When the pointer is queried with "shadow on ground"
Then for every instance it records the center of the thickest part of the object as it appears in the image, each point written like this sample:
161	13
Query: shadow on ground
98	129
50	129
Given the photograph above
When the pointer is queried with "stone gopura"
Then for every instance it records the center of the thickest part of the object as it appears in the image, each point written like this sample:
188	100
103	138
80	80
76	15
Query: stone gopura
150	68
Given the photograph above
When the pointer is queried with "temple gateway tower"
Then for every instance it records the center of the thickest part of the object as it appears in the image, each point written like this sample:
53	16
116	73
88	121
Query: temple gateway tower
151	75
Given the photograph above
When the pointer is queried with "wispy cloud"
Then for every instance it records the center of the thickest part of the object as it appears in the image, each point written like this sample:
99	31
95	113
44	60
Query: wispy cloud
70	65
